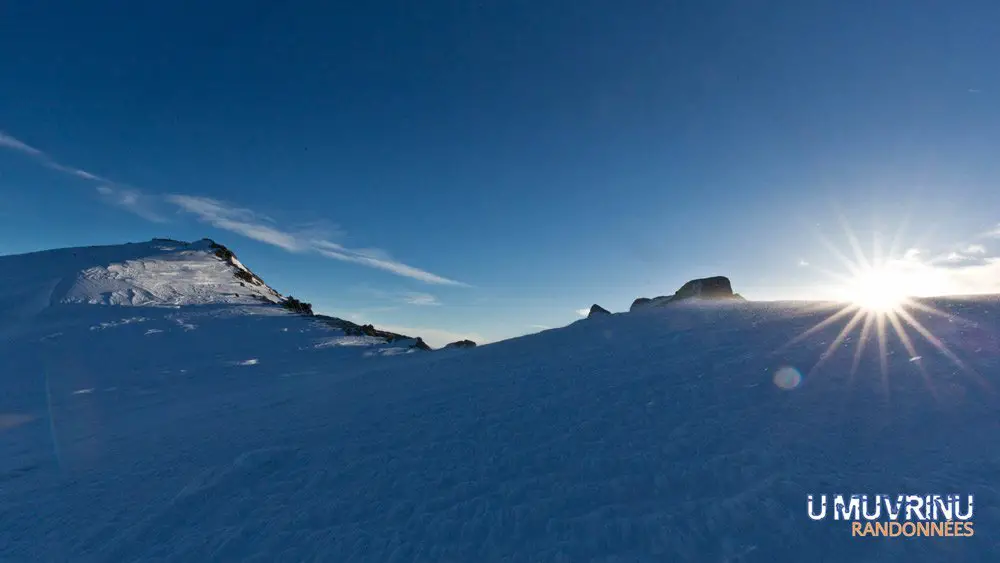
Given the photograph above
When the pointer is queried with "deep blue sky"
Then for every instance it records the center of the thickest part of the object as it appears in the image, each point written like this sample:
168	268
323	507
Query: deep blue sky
547	154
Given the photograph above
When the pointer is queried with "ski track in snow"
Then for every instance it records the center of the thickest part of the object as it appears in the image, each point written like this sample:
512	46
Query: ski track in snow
651	436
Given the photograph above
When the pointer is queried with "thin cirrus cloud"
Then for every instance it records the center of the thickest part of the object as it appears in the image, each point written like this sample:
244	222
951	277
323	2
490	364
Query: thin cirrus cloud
240	221
251	225
423	299
9	142
234	219
380	261
12	143
415	298
109	192
131	200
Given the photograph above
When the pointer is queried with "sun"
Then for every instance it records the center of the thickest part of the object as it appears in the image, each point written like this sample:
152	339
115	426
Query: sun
878	289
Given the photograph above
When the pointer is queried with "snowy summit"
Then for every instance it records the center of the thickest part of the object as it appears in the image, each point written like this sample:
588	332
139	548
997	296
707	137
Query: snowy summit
159	401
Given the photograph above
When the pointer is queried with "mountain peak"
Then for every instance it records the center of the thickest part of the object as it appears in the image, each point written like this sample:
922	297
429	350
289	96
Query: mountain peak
161	272
156	272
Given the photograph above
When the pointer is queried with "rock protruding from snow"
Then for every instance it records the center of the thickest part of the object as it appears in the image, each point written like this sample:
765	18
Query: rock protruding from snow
353	329
715	287
644	302
711	288
241	272
461	344
596	311
639	303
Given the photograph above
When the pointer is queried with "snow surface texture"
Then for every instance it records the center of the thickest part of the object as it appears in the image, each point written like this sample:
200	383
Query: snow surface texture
235	431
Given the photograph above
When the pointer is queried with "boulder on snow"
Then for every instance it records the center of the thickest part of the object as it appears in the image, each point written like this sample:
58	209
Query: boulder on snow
596	310
639	303
715	287
461	344
643	302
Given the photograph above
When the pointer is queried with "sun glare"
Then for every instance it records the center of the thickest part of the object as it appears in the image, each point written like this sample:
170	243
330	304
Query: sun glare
878	290
879	300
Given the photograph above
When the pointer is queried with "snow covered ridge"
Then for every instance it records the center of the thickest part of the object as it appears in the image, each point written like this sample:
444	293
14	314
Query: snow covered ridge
158	273
176	273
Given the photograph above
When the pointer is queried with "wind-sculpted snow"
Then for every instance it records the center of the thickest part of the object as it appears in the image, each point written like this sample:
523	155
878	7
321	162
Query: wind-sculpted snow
160	272
659	435
186	277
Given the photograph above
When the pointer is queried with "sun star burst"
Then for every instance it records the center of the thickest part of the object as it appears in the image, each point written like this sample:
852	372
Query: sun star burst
876	297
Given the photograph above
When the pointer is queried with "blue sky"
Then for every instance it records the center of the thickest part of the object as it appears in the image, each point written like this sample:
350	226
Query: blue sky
484	169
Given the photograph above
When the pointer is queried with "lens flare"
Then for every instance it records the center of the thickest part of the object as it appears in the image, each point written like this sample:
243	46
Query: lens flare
787	378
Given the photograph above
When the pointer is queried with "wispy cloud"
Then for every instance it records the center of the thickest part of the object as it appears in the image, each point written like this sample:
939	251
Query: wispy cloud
112	193
252	225
803	263
540	327
583	312
421	299
9	142
249	224
380	262
972	270
967	255
237	220
13	143
234	219
416	298
133	201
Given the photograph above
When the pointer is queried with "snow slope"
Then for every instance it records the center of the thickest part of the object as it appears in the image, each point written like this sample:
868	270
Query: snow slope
159	272
232	431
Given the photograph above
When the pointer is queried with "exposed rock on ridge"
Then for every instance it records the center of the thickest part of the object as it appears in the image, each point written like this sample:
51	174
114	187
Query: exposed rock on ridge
712	288
597	310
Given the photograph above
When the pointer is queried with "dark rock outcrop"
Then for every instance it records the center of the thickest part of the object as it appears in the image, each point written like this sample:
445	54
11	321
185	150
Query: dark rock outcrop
421	345
716	287
301	307
240	271
639	302
643	302
597	310
461	344
353	329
